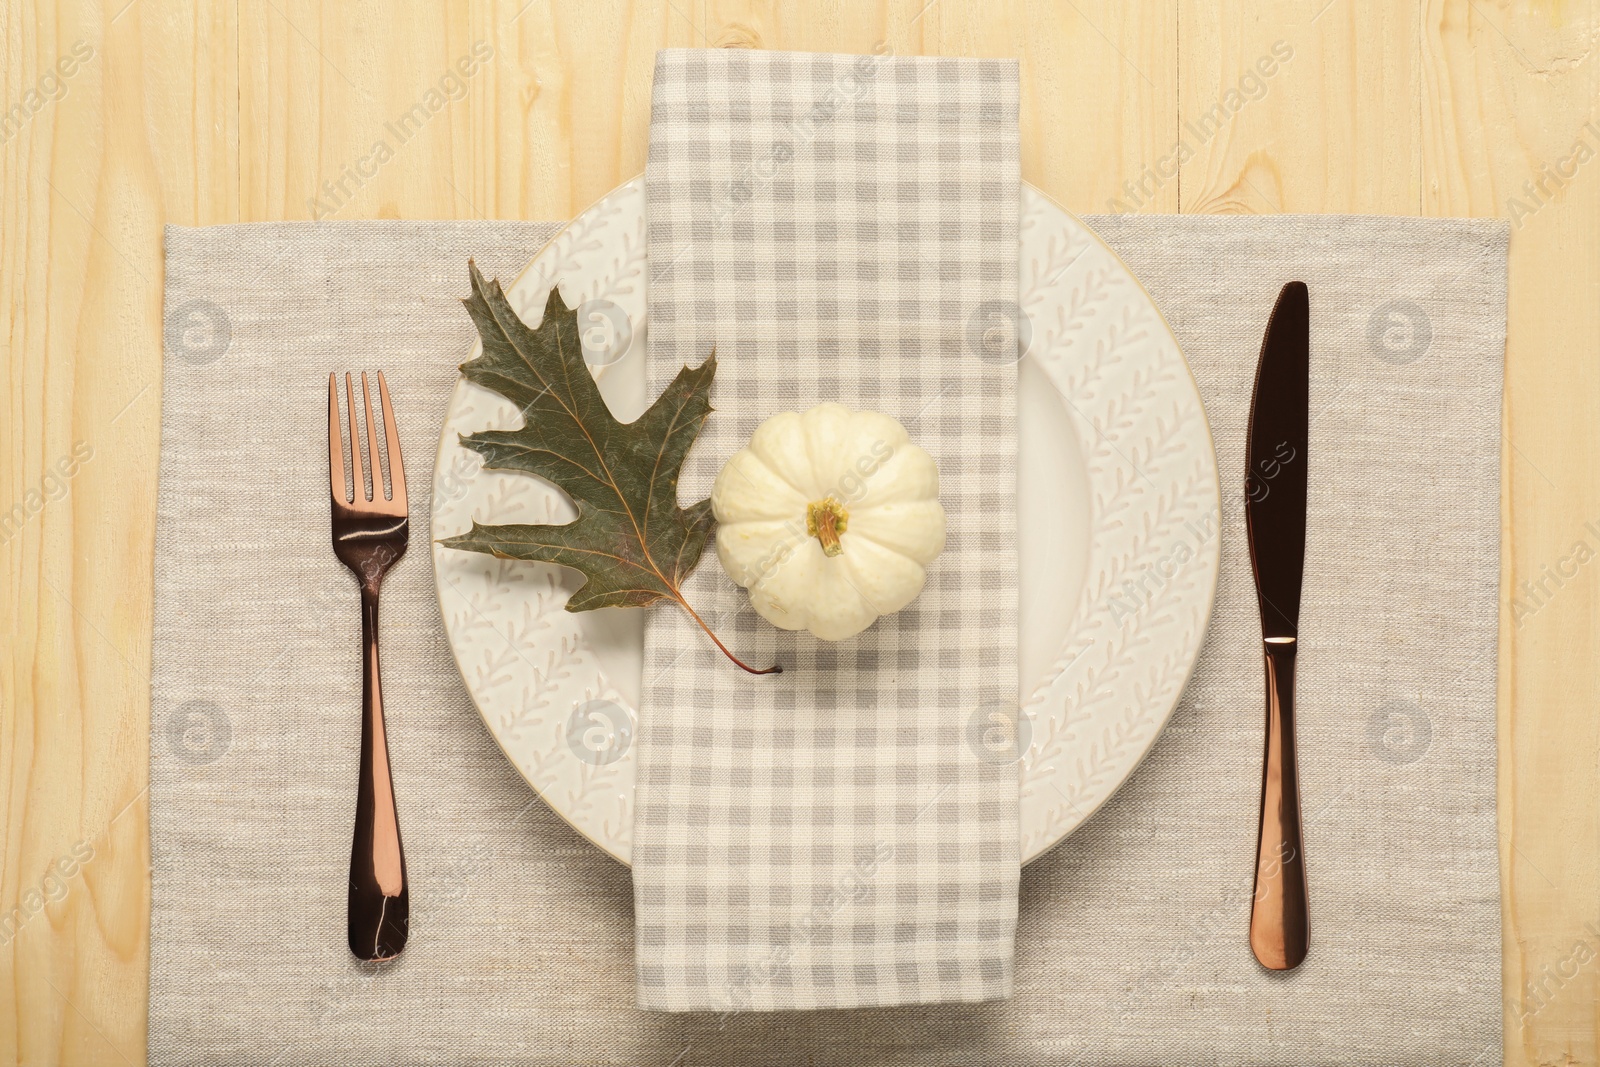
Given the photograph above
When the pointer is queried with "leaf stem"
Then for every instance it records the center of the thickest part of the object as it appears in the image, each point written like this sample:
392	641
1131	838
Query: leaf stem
775	669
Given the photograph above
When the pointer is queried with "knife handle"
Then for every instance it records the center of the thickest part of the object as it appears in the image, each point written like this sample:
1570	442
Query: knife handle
1280	915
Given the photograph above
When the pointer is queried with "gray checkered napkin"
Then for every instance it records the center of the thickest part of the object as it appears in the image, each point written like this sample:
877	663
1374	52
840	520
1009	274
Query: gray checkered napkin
828	838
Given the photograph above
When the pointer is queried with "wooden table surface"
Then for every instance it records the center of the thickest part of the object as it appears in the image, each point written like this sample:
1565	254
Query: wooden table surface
124	115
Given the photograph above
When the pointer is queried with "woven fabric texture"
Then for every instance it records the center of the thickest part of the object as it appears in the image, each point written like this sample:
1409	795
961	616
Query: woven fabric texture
828	837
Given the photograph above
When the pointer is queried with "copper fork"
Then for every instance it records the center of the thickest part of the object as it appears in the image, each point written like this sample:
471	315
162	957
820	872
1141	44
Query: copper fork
369	534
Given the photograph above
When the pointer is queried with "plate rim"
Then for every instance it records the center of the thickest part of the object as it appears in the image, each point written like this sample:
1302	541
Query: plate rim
1202	630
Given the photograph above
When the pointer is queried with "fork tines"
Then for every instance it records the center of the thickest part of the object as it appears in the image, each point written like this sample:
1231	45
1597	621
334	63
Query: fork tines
386	494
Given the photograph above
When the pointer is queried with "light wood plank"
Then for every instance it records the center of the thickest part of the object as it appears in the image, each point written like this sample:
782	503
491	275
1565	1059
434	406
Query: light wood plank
201	113
1309	106
89	181
1512	94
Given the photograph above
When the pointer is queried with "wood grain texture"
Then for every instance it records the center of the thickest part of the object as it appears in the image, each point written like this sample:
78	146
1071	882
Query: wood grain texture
198	113
1510	127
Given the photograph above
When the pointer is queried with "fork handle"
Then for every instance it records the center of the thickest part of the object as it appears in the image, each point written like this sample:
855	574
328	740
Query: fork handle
1280	913
380	909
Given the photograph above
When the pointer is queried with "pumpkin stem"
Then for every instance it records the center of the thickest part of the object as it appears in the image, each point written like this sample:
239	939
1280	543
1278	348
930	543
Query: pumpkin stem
826	519
775	669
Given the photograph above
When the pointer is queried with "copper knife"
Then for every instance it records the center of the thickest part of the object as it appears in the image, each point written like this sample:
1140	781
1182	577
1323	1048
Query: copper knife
1275	514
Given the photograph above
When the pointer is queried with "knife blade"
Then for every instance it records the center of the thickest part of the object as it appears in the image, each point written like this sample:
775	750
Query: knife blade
1275	518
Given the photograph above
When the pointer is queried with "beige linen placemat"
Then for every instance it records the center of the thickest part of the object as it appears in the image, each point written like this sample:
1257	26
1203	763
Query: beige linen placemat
1130	944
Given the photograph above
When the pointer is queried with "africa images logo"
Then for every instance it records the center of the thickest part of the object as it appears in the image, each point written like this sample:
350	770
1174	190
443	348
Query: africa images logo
451	86
1550	179
51	86
1199	131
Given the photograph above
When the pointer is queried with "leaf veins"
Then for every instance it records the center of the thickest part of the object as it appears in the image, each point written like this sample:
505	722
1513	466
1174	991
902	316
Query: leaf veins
631	541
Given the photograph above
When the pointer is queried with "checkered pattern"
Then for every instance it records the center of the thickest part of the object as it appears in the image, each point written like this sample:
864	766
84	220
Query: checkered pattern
839	228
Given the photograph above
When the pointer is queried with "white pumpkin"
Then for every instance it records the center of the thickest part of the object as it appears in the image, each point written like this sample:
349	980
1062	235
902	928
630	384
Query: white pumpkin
829	518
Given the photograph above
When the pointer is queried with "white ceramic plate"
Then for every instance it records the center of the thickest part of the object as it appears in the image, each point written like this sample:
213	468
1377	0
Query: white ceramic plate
1118	524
